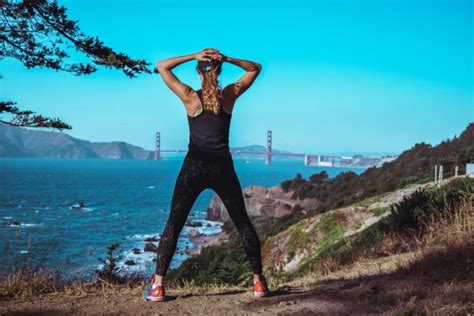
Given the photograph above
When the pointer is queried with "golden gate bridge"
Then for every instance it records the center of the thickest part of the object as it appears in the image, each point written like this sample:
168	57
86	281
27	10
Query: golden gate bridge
309	159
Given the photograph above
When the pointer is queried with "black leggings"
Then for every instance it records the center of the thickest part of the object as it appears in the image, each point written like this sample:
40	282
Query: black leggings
198	173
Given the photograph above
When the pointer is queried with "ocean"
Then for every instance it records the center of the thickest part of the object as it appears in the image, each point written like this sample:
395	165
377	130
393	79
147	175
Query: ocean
125	202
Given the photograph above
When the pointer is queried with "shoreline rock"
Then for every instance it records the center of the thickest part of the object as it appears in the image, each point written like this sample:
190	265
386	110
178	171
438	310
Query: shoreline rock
261	201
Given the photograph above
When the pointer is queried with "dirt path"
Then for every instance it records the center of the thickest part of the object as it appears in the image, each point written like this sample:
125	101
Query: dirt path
326	298
371	286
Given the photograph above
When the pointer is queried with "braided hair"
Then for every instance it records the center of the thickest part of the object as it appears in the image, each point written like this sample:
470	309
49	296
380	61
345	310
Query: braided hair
210	85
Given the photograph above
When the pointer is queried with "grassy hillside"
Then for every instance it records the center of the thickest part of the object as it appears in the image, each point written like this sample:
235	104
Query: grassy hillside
391	223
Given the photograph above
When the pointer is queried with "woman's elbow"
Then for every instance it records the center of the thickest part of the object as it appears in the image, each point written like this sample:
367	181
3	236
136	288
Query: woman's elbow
160	66
258	67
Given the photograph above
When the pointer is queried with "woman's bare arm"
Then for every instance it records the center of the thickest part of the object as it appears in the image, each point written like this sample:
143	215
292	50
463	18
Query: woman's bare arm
252	69
164	68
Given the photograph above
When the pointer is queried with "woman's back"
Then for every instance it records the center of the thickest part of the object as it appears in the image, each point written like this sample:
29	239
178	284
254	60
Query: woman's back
209	132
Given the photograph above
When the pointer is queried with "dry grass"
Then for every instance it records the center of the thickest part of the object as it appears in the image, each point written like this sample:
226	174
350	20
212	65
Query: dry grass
39	284
25	284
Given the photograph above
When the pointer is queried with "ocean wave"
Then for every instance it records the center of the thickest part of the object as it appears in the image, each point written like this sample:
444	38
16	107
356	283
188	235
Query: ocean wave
203	230
208	227
212	223
77	207
143	236
18	224
133	261
151	187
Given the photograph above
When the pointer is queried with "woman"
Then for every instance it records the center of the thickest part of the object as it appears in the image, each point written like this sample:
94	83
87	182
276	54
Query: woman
208	162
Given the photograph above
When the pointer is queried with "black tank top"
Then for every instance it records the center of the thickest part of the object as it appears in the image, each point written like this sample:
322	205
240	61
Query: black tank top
209	133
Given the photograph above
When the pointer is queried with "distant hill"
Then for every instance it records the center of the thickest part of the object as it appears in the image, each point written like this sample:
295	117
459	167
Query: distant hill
22	142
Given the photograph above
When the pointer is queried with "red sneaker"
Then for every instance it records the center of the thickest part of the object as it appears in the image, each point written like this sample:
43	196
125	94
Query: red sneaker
155	294
260	289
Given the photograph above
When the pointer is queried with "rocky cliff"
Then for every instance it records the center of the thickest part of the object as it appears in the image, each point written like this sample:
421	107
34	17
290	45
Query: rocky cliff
261	201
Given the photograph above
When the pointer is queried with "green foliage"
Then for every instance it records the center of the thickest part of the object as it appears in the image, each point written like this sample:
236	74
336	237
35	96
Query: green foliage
27	118
218	264
413	212
333	228
38	33
110	271
298	239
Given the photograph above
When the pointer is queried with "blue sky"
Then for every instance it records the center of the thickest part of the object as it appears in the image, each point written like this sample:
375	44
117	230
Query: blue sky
338	76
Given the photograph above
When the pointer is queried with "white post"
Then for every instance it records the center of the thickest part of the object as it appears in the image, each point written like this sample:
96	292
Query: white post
440	176
436	173
456	171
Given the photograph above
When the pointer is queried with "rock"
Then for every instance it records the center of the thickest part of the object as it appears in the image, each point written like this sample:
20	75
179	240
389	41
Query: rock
129	263
136	251
151	239
260	201
194	224
150	247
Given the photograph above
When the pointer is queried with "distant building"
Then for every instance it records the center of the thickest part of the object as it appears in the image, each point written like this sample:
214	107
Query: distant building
470	170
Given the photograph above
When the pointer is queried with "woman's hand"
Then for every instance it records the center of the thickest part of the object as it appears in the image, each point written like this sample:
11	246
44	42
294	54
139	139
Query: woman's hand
207	54
221	57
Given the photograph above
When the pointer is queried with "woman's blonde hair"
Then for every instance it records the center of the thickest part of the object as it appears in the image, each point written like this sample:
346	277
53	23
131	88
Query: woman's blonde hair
211	89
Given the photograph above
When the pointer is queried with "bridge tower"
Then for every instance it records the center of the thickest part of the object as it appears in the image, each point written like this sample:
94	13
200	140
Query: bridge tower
157	146
268	153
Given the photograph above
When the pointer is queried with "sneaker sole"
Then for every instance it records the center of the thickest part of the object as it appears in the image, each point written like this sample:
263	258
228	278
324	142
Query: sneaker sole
260	294
155	299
